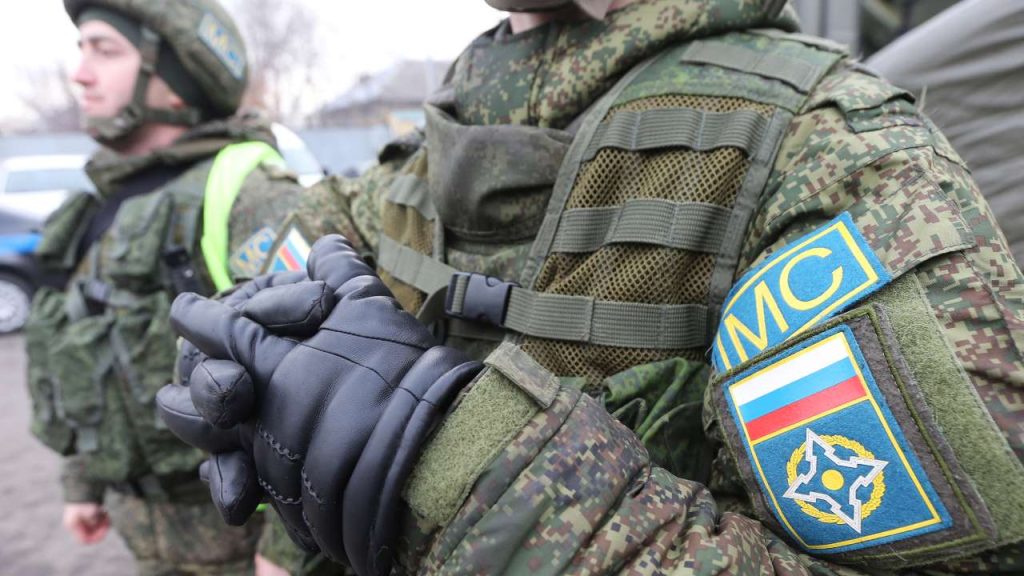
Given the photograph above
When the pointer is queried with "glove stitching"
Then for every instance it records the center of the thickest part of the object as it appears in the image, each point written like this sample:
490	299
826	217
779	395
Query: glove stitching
223	397
309	487
224	401
273	443
276	495
391	387
378	338
416	398
313	532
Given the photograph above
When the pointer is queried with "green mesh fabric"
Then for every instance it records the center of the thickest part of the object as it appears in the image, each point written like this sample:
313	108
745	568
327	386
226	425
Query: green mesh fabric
632	272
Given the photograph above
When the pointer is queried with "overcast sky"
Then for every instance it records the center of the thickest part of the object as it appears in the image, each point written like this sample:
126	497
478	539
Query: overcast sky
358	35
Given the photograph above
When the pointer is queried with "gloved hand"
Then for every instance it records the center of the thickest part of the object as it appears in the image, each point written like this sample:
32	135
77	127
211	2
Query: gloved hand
189	356
328	426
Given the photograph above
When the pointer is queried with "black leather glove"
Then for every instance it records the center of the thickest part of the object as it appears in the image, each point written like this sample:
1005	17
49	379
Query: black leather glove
328	426
189	356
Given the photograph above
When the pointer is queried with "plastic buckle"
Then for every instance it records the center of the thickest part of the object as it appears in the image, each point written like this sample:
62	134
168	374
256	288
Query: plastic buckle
485	298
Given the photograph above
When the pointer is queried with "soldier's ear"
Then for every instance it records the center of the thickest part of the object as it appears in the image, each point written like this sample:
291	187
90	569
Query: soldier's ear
160	95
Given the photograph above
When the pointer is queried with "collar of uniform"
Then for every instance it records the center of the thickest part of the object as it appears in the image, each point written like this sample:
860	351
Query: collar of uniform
108	168
549	75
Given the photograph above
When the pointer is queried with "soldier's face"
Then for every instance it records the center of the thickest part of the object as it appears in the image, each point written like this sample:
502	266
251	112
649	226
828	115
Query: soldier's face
106	71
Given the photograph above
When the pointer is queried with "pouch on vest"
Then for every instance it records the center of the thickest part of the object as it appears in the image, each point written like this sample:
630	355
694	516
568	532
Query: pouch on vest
144	350
58	248
136	238
47	318
80	364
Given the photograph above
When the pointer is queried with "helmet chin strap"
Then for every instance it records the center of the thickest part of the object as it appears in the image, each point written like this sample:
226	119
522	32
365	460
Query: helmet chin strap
117	129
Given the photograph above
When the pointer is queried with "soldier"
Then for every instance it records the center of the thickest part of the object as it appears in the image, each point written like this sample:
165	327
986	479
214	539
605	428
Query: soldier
740	310
160	83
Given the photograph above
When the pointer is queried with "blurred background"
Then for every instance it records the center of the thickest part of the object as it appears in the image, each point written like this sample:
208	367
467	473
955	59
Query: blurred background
339	78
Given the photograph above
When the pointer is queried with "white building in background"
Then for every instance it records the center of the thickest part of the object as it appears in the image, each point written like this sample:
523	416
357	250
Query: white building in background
394	96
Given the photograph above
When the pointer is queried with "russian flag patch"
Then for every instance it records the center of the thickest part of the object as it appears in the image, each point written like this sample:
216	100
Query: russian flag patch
290	251
833	464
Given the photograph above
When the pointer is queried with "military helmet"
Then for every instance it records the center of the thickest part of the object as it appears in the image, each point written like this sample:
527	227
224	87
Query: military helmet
594	8
204	38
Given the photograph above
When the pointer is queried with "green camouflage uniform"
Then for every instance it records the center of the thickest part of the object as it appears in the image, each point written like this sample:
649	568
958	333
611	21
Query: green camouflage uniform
146	478
531	474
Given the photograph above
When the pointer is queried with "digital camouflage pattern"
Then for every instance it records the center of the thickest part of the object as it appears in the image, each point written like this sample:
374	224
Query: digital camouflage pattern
575	491
551	74
276	546
182	538
115	407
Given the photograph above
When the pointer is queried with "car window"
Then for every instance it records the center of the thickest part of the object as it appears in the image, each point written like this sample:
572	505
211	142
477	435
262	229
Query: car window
73	179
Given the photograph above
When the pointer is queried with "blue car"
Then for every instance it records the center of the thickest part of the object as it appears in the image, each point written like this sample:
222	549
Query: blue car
19	274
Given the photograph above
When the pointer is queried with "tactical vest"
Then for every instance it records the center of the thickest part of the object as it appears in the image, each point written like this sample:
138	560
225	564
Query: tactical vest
613	244
100	349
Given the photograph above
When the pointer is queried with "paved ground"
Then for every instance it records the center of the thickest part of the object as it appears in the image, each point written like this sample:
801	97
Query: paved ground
32	541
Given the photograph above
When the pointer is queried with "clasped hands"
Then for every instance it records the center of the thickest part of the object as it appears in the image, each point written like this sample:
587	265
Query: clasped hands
314	391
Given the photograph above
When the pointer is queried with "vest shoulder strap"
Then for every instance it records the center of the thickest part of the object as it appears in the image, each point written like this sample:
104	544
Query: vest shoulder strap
230	168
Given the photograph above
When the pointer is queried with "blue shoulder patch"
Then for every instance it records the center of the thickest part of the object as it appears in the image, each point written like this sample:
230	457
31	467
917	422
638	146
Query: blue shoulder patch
816	277
248	259
830	458
223	44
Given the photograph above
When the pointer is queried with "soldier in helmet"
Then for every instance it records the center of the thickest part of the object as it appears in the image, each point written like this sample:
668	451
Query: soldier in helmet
186	191
664	289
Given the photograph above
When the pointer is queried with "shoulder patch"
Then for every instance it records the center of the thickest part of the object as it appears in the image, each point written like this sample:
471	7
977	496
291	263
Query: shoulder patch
248	259
842	453
817	276
290	250
840	462
223	45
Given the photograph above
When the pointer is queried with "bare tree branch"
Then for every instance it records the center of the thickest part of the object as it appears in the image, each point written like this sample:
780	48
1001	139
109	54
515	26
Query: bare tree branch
282	39
46	91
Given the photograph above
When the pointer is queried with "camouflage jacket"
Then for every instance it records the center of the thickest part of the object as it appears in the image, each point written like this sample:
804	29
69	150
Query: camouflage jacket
105	420
871	268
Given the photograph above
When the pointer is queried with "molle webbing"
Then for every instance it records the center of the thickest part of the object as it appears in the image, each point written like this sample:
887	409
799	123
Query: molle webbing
800	75
413	268
408	190
687	118
693	226
670	127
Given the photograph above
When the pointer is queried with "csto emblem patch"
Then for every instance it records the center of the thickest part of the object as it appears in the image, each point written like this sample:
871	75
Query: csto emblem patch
814	278
248	259
830	458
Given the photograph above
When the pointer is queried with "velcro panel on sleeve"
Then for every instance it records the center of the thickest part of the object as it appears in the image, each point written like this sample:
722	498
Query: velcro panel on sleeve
839	443
497	407
523	370
979	445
